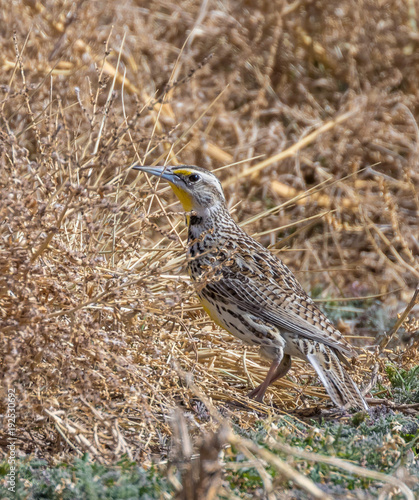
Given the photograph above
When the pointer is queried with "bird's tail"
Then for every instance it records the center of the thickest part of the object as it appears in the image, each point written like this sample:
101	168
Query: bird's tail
337	381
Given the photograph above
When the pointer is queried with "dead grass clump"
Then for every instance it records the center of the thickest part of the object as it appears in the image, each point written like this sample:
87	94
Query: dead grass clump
98	320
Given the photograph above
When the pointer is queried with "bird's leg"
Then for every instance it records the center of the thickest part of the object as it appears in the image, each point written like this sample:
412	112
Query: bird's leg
278	369
282	369
259	392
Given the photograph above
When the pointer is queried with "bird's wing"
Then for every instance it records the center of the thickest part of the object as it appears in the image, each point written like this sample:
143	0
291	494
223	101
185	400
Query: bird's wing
269	290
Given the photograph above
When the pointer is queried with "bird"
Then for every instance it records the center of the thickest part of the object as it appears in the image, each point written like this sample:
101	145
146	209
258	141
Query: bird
252	294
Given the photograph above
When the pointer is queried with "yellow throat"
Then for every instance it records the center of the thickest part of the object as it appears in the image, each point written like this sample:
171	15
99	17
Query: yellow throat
183	196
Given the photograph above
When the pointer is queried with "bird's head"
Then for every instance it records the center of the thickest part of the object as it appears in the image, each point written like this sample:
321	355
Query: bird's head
197	188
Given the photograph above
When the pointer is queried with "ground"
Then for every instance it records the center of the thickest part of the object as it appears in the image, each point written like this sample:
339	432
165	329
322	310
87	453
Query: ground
115	384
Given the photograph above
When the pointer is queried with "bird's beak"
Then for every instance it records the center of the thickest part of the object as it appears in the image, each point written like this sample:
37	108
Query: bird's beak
158	171
174	181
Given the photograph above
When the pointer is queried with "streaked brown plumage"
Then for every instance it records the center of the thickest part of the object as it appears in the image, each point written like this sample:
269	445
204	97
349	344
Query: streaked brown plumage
249	292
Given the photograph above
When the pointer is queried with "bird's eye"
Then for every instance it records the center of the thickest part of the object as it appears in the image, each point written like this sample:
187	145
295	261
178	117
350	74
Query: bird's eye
194	178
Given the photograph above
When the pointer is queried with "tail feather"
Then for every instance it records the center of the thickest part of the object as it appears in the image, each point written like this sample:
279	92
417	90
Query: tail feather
339	385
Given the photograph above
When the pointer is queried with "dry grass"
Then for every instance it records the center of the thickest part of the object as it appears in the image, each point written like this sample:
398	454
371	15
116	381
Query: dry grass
99	330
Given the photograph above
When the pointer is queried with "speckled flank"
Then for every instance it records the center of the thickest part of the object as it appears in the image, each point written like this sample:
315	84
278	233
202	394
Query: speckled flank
229	266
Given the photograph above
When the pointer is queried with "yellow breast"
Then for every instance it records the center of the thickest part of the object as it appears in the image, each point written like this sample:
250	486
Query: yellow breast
212	312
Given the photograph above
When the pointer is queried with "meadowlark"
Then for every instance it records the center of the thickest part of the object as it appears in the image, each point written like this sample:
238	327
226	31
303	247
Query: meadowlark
250	293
